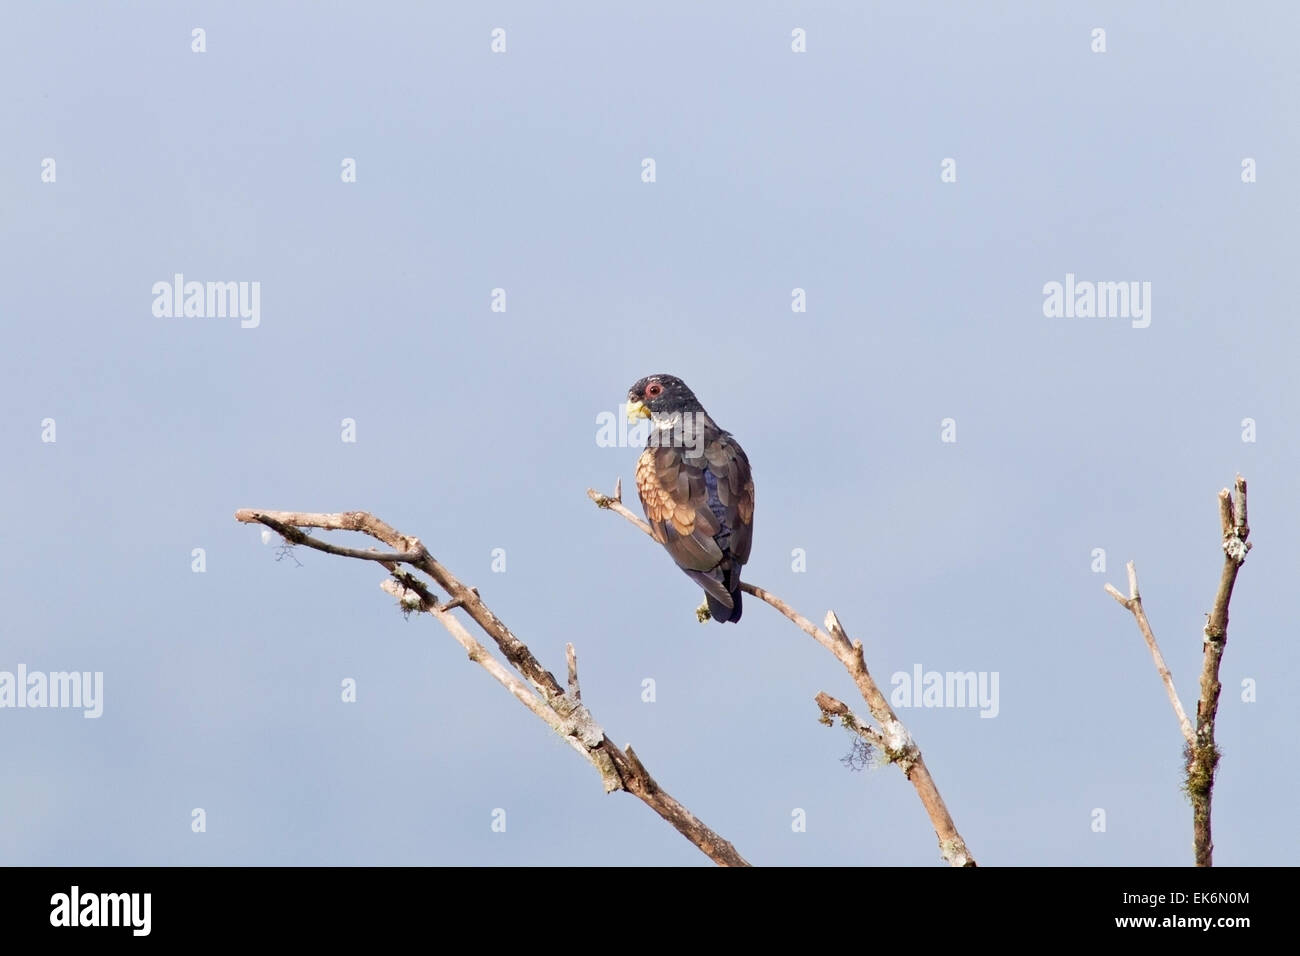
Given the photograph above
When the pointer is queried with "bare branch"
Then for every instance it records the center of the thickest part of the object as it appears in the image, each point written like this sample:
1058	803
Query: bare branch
834	707
614	503
1134	604
539	691
294	535
571	656
896	743
1201	751
479	655
1203	754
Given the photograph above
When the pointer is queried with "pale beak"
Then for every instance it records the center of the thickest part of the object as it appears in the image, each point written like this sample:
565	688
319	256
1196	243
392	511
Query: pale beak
637	409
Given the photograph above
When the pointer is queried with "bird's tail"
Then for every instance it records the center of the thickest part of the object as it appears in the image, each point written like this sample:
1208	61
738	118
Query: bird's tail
720	612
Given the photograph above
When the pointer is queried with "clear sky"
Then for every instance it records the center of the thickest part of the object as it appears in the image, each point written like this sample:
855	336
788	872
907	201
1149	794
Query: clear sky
476	429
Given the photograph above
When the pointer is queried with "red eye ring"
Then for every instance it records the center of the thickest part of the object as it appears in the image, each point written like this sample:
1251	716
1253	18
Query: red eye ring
654	390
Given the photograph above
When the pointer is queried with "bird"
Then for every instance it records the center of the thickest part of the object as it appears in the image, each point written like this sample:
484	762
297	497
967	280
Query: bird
696	489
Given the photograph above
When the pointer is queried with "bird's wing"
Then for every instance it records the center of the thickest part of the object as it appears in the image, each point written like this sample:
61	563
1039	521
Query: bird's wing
735	490
676	503
675	492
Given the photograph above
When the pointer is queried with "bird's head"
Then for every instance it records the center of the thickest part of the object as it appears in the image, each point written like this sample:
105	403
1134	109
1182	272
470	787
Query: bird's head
659	396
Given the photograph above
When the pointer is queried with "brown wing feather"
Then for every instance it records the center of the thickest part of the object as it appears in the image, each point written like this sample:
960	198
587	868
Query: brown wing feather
676	505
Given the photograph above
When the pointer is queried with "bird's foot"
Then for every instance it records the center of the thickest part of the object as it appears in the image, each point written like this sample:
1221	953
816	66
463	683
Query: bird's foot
702	613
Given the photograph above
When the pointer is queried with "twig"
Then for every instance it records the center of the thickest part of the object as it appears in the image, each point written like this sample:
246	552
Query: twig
615	504
1134	604
571	656
294	535
539	691
834	707
895	742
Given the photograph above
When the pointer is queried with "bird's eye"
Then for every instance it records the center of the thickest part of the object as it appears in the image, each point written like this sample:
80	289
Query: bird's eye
654	390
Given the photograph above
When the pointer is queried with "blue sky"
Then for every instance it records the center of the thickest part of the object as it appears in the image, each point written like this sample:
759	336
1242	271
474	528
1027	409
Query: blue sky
476	430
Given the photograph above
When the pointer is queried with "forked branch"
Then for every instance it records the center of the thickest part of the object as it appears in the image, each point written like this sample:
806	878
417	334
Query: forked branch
1200	751
530	683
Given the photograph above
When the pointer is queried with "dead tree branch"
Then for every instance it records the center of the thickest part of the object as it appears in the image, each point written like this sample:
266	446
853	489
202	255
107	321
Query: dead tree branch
1201	752
1203	757
892	738
1134	603
538	690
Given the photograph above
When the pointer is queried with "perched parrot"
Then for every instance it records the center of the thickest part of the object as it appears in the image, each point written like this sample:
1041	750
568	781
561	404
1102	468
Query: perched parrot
696	490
